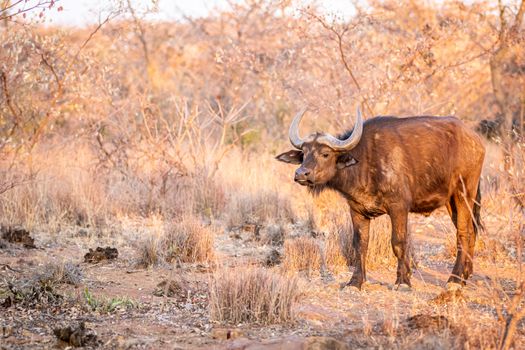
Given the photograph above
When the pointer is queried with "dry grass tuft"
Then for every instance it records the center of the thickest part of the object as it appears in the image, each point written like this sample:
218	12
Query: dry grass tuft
302	254
150	252
241	295
330	212
65	272
273	235
188	241
208	196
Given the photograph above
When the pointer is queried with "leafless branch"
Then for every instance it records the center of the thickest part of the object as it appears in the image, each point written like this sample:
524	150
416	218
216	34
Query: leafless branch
339	36
6	8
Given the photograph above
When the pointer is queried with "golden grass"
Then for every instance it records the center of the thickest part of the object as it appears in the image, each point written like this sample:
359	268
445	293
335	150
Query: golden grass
338	253
116	142
380	254
302	254
247	295
188	241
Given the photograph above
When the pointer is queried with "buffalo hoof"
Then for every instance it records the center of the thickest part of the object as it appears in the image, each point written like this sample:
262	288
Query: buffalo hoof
453	279
453	286
403	280
402	287
354	284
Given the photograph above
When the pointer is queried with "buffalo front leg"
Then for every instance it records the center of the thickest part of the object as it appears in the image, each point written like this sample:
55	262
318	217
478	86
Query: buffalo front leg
361	225
399	219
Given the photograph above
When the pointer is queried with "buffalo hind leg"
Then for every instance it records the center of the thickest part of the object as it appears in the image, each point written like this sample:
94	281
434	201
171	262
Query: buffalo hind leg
466	239
476	225
361	225
399	219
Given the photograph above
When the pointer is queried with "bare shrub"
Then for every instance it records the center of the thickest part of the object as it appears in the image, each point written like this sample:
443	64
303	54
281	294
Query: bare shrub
242	294
302	254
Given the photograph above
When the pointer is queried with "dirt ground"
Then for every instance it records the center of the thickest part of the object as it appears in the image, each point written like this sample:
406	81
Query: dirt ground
326	315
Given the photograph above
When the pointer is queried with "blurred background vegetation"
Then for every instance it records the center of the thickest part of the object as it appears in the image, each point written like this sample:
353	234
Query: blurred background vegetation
139	116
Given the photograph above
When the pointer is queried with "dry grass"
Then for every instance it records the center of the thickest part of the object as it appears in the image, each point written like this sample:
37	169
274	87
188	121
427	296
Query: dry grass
488	249
273	234
255	194
259	207
151	252
208	196
338	253
330	212
108	132
380	254
331	216
188	241
245	295
62	191
55	273
302	254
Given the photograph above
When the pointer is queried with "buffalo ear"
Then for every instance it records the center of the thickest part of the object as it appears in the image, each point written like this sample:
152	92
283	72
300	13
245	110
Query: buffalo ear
345	160
292	157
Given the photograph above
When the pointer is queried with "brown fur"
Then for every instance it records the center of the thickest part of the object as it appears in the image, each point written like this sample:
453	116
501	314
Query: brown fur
402	165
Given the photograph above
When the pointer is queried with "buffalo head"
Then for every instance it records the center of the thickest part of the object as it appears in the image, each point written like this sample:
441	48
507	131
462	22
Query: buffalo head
320	154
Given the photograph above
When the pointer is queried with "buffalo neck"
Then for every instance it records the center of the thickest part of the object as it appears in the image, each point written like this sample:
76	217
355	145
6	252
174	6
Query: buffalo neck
352	180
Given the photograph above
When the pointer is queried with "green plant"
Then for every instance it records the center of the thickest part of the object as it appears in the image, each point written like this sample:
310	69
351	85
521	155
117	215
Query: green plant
108	305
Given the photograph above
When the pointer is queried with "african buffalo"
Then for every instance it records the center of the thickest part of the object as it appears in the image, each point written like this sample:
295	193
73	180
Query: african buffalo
390	165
